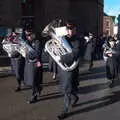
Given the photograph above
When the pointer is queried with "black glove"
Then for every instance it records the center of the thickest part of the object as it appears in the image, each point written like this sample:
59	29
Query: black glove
67	59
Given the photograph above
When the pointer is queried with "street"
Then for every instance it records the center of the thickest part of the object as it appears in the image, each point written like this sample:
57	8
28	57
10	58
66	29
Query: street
96	100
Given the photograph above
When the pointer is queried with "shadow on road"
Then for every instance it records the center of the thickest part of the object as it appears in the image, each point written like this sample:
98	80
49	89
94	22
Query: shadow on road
50	96
50	83
94	73
5	74
96	87
92	76
93	88
107	100
82	90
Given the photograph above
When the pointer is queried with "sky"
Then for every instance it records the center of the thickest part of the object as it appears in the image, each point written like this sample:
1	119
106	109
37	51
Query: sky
112	7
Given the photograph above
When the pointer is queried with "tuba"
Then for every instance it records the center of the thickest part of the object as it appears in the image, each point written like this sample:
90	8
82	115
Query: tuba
58	45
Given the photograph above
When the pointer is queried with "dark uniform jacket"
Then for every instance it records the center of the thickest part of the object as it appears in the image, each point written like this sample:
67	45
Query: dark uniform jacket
32	72
118	54
90	45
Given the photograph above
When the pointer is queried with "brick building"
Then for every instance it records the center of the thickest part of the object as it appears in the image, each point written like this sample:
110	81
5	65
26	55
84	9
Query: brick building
10	13
108	25
118	26
87	13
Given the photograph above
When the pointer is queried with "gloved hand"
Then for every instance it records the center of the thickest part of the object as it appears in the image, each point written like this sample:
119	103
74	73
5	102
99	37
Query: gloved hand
67	59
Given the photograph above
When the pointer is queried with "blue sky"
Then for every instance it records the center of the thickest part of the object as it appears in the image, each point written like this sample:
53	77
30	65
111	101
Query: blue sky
112	7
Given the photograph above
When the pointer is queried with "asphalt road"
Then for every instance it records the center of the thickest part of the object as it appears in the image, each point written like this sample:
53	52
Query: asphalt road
96	100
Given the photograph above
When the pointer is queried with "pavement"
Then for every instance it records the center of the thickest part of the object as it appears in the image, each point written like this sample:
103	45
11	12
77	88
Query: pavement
96	100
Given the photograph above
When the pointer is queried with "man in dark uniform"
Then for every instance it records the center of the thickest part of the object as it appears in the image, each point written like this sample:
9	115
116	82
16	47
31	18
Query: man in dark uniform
33	68
19	62
110	55
69	80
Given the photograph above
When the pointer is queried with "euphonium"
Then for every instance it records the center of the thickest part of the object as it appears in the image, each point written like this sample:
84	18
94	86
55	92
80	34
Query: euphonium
20	46
24	48
58	46
9	46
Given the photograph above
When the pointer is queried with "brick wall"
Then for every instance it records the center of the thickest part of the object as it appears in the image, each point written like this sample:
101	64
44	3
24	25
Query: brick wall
108	25
88	14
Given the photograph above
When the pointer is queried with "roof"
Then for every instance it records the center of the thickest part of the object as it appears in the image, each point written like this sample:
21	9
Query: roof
113	17
105	14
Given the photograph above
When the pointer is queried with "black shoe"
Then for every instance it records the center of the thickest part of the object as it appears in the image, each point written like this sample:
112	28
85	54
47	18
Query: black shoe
75	101
112	83
89	70
91	65
34	99
17	89
62	116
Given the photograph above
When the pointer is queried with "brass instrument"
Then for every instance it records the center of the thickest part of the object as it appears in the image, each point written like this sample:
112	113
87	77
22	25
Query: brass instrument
58	46
20	46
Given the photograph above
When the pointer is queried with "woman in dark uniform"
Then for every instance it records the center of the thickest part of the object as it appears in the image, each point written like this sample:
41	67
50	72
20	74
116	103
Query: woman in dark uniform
33	68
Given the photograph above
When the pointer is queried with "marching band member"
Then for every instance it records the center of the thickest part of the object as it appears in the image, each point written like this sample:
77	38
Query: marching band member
69	80
33	67
110	57
17	62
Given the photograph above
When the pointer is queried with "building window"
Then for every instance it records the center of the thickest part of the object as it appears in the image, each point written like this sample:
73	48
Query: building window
107	32
107	24
28	8
27	13
23	1
27	22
